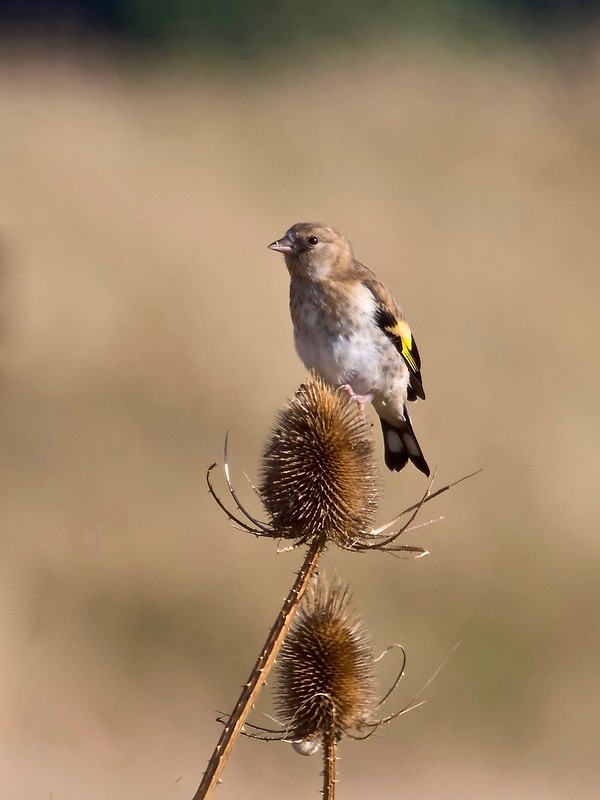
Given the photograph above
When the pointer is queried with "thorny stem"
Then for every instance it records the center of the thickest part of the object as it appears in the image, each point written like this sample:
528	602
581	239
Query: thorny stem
329	768
261	669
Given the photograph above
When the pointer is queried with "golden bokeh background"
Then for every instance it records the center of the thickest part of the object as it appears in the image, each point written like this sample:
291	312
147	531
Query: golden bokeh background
144	317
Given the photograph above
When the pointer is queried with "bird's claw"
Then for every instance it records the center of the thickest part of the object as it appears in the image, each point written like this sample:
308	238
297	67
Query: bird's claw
360	399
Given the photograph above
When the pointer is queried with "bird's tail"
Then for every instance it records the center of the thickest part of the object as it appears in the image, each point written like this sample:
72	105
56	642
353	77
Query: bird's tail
401	444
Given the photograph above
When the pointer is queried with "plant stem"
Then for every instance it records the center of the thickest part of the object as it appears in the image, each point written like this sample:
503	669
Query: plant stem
329	768
259	673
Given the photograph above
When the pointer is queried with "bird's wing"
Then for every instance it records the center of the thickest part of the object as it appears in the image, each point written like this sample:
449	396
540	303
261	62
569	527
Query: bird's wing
390	319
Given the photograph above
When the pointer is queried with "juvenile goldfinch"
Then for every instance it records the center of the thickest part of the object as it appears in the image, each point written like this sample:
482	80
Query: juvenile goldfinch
350	330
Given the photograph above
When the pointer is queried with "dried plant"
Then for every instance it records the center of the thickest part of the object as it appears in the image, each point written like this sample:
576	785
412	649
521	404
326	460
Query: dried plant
325	672
318	467
319	475
319	485
326	683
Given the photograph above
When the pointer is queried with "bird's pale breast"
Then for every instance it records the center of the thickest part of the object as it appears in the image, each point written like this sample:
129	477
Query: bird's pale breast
336	335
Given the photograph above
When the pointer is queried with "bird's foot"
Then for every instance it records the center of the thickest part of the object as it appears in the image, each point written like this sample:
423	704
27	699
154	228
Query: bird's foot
360	399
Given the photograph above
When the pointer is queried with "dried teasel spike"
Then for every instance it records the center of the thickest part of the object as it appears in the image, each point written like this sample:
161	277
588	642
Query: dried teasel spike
325	682
326	672
319	479
319	473
326	676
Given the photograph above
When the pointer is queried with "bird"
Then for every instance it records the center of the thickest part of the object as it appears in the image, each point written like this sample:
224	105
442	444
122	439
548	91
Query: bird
350	331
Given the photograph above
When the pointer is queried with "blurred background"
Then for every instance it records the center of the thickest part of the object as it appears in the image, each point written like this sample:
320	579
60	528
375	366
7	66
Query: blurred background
149	153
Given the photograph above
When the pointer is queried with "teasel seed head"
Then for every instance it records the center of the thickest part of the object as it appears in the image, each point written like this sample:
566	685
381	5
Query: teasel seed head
318	474
325	672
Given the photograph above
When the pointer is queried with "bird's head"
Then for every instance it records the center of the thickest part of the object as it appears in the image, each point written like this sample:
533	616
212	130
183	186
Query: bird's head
313	250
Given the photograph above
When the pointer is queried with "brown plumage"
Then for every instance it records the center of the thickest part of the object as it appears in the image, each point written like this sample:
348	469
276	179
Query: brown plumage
350	330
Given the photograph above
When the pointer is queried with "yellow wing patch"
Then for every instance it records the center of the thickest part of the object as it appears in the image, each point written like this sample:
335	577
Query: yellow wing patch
401	329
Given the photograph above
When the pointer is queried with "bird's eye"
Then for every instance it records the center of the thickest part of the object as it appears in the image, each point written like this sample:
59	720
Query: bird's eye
312	240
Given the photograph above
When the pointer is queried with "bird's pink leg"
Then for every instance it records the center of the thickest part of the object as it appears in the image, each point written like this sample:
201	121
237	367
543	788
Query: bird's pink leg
361	399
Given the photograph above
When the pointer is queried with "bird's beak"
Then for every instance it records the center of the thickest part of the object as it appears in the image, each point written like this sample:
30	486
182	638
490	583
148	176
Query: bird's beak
285	245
